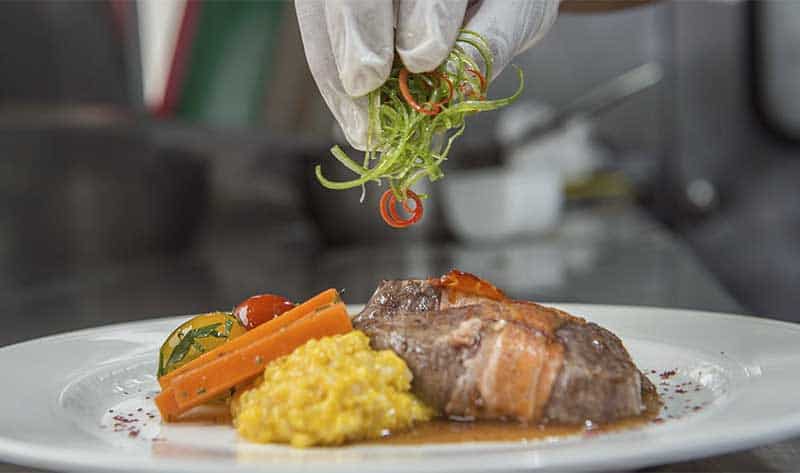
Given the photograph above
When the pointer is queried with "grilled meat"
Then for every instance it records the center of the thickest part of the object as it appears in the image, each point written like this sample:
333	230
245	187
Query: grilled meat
476	354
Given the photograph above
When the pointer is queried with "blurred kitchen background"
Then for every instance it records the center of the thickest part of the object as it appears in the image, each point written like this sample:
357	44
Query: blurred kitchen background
156	158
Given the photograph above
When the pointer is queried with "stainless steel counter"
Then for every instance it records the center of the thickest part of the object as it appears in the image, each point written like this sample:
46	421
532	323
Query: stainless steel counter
611	254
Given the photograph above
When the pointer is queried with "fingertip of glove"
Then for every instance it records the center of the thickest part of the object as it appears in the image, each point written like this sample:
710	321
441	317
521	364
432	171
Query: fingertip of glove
425	56
357	140
353	120
365	75
362	82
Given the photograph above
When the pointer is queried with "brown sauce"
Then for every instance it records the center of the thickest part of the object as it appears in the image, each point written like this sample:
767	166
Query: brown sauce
448	431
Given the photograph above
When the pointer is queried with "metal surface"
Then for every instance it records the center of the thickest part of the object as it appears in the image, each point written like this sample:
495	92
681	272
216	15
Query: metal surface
72	194
597	100
610	255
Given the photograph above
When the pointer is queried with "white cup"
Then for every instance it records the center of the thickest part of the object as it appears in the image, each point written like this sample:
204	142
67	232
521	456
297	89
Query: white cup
500	204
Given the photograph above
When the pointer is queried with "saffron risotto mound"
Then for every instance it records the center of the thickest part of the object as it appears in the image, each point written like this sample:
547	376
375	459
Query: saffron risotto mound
329	392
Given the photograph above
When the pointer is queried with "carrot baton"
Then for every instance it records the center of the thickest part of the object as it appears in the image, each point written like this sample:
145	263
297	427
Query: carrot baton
195	387
324	298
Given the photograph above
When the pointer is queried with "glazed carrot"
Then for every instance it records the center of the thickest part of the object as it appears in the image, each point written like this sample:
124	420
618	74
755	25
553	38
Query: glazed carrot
200	385
167	406
322	299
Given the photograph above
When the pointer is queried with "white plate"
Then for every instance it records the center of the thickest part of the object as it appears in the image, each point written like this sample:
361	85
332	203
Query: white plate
735	387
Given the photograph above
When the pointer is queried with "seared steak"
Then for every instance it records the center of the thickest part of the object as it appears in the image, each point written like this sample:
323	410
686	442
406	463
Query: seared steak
479	357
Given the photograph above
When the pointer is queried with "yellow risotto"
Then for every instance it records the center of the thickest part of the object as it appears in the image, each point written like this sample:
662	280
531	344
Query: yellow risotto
328	392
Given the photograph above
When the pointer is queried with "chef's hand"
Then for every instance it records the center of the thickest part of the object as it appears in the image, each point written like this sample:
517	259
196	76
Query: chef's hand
350	44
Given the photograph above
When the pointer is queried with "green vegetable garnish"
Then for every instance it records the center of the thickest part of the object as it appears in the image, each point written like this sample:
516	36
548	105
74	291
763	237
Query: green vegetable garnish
196	336
189	340
407	113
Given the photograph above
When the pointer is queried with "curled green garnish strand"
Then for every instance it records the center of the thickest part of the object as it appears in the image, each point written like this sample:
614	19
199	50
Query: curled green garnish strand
411	131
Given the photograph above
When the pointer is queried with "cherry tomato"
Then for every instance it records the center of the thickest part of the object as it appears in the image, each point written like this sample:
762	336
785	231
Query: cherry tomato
261	308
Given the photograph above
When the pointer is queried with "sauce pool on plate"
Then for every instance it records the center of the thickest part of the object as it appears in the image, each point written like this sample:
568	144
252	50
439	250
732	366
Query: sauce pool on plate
448	431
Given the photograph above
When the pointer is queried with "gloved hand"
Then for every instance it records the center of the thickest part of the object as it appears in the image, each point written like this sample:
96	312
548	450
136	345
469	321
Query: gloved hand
350	44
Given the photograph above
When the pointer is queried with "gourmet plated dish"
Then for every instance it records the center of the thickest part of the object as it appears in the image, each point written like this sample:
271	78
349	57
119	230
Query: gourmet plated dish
423	359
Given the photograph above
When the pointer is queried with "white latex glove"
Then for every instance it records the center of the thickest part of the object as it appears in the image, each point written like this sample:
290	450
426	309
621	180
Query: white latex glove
350	44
